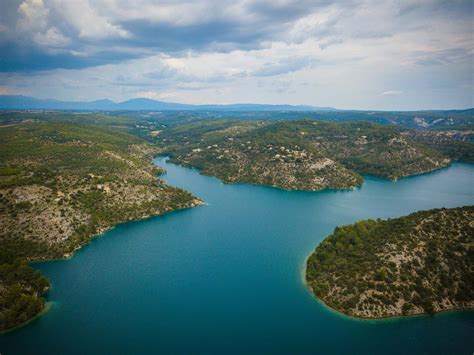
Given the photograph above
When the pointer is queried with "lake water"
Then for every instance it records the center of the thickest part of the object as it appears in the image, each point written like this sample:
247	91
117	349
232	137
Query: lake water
226	277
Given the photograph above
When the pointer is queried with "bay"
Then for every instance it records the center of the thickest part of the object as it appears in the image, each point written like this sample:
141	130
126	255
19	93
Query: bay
227	277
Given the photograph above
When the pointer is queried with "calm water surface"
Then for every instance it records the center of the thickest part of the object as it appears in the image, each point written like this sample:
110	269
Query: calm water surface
227	277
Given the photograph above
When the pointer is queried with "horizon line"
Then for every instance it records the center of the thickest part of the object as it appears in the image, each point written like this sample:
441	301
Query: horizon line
212	104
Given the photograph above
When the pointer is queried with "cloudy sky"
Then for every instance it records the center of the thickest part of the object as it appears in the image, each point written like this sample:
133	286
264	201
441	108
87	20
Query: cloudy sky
347	54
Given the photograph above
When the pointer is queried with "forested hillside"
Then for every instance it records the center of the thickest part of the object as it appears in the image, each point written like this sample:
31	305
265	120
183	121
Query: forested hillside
60	184
420	263
299	155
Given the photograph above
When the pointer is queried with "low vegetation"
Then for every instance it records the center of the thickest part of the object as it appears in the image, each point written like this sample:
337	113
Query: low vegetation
65	177
299	155
60	184
460	120
420	263
455	144
21	288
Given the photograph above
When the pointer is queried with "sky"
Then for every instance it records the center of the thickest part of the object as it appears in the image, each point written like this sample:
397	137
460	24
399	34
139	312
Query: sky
386	55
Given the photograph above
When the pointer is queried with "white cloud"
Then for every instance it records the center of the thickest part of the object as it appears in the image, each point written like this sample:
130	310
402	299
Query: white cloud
51	38
391	93
40	20
33	16
87	20
345	54
34	21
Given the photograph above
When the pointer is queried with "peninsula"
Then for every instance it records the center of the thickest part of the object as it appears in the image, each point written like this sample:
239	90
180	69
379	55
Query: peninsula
300	154
420	263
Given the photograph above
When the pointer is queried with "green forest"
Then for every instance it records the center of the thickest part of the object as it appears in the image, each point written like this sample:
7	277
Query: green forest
420	263
307	154
63	179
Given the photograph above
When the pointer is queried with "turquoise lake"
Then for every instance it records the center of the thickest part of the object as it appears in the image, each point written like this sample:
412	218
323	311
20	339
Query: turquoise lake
227	277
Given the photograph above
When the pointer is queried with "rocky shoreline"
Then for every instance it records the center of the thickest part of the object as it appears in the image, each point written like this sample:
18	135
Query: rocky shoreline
304	155
70	255
52	204
399	267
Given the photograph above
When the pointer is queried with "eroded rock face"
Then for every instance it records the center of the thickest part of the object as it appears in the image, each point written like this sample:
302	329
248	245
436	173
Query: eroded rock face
420	263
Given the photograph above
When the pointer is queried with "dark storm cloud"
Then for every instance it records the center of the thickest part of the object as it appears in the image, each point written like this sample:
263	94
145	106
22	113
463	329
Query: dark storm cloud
214	35
46	34
27	45
22	58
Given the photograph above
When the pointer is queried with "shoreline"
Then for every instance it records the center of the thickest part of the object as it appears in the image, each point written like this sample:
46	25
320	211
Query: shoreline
325	189
196	202
102	231
368	319
168	159
47	306
435	169
69	256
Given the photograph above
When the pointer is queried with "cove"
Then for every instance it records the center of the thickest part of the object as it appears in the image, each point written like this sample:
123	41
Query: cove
226	277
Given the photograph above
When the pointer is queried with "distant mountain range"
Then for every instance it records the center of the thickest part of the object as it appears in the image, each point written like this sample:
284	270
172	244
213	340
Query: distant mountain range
140	104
